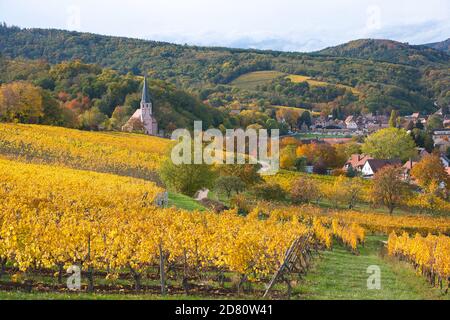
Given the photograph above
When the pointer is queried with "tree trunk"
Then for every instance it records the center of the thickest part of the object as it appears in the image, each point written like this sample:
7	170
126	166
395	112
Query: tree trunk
391	209
185	281
240	284
161	270
2	266
90	277
60	273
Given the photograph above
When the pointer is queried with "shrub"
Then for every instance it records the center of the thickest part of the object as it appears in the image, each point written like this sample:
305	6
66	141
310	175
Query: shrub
304	190
269	191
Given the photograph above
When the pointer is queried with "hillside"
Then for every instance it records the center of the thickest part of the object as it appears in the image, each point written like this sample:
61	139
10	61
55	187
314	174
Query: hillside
442	45
389	75
389	51
117	153
86	96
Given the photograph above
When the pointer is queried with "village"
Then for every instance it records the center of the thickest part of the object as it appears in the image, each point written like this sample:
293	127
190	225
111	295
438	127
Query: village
326	130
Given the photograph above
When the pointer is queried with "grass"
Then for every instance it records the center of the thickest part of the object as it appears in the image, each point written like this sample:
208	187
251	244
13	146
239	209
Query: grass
184	202
251	80
19	295
335	275
316	83
302	136
313	113
340	275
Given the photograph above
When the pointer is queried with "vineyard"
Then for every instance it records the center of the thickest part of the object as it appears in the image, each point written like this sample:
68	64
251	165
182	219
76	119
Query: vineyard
72	198
429	255
118	153
109	223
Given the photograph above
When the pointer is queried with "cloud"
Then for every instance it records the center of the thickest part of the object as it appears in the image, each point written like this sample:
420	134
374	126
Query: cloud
288	25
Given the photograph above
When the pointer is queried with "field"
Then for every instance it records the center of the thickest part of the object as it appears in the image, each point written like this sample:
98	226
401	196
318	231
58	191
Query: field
314	113
312	82
88	199
251	80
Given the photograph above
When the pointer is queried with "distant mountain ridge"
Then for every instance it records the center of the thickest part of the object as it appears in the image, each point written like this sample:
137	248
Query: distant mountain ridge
442	45
389	51
389	74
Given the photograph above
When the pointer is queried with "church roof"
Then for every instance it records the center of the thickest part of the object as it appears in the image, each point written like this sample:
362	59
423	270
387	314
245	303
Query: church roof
145	93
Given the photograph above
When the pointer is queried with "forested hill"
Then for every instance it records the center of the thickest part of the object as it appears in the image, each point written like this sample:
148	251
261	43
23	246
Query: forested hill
389	51
399	76
443	45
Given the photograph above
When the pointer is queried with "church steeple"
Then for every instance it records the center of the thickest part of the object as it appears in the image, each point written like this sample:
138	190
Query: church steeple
145	94
144	115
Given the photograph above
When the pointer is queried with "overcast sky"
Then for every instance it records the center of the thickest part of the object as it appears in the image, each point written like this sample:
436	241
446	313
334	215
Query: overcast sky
291	25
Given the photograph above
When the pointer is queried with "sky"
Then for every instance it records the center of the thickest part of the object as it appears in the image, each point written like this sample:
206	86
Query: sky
288	25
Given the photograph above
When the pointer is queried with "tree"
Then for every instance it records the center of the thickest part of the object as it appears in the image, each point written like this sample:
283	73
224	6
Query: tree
93	119
289	116
22	102
288	157
228	184
410	126
345	150
390	143
434	122
393	119
304	119
300	164
388	188
430	171
187	178
349	190
269	191
119	117
248	173
304	190
319	152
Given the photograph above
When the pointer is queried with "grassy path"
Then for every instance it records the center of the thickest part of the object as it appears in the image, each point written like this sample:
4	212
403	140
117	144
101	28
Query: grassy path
342	275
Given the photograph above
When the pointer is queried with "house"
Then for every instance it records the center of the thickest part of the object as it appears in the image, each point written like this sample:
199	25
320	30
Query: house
414	117
143	118
445	160
446	123
422	152
350	123
441	139
372	166
407	167
356	162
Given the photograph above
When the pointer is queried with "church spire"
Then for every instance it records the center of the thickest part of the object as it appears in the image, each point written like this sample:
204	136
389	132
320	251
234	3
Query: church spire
145	94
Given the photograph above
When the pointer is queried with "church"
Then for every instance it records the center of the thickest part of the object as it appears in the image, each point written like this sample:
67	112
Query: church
143	119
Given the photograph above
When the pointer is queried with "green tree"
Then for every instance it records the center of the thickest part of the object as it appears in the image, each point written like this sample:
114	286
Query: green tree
187	178
390	143
304	119
434	122
288	157
228	184
269	192
93	119
248	173
393	119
